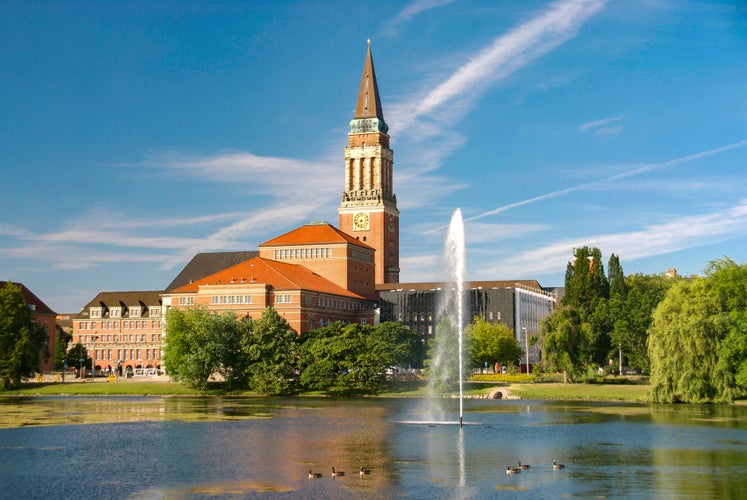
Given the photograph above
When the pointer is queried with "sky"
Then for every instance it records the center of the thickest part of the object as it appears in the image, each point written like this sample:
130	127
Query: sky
134	134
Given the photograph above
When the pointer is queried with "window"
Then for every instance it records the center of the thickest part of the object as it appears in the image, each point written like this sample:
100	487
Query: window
155	311
135	312
186	301
95	312
115	312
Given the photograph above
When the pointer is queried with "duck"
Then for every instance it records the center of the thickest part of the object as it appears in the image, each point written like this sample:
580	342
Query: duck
314	475
363	471
556	465
523	466
510	470
337	473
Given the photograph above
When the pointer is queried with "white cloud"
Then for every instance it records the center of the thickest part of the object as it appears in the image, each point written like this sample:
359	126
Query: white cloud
597	124
656	239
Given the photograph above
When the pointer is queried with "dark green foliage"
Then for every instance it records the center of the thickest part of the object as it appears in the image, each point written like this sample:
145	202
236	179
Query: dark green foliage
75	354
352	359
269	355
632	314
22	340
563	342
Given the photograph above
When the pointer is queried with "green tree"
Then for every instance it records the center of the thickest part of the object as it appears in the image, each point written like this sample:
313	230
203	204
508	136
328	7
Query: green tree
397	345
492	343
60	353
269	347
729	283
22	339
200	343
563	341
338	359
632	314
683	346
74	354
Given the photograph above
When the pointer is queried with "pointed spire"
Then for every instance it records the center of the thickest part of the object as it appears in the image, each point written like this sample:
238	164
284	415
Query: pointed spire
369	104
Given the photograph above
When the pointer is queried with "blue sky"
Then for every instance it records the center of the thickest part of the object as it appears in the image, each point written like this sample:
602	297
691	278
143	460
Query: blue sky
136	134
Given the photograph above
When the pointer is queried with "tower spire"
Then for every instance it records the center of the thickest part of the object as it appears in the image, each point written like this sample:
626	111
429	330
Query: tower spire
369	103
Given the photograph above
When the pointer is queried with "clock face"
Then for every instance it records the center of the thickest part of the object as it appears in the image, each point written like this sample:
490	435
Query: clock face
360	222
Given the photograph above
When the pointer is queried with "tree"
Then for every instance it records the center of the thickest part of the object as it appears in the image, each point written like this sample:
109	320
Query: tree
200	343
74	354
352	359
492	343
683	346
22	339
729	283
269	347
632	314
563	341
338	359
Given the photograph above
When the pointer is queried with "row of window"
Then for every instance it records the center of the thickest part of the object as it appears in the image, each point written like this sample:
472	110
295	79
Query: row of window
125	354
116	312
154	337
303	253
231	299
114	325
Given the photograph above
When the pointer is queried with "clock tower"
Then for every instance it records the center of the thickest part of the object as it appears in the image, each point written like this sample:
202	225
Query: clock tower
368	210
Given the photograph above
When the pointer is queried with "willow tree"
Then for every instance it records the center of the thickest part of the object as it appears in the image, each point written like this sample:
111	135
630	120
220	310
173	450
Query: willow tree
683	345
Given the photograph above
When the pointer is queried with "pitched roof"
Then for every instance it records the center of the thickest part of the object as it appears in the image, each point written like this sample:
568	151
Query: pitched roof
314	233
30	298
278	275
205	264
108	300
369	103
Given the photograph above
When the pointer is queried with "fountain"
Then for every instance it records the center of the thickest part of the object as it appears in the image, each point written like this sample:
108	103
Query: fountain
443	365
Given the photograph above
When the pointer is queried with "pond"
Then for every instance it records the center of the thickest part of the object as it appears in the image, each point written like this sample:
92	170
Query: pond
223	447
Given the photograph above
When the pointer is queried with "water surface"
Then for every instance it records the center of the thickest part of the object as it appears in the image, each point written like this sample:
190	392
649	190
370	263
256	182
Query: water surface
222	447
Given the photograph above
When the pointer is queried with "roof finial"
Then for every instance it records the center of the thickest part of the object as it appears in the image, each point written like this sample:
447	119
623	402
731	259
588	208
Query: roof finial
369	42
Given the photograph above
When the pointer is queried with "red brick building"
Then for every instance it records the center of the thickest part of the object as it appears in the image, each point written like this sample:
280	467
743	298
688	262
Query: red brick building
312	276
43	315
121	329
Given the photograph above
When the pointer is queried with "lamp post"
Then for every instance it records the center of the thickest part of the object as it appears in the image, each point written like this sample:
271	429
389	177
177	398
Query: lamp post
526	344
93	358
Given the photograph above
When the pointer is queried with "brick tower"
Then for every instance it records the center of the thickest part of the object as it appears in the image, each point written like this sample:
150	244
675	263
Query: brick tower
368	210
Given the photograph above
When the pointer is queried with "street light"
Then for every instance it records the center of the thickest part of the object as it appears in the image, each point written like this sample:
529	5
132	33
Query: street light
93	356
526	343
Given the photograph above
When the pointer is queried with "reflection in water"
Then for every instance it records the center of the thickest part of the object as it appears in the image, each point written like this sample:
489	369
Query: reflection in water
187	447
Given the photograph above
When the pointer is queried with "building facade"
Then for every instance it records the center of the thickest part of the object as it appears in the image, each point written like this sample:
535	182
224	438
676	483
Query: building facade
121	331
521	305
312	276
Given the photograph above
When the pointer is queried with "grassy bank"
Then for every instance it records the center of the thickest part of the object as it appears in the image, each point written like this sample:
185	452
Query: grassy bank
548	391
581	392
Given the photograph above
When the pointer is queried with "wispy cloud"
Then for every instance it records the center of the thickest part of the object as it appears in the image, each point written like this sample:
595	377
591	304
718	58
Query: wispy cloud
656	239
597	124
426	116
412	10
622	175
503	56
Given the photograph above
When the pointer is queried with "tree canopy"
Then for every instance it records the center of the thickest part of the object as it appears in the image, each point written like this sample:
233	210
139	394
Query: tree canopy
492	343
698	340
22	339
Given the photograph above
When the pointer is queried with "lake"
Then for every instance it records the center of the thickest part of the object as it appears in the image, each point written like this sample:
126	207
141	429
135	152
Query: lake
224	447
